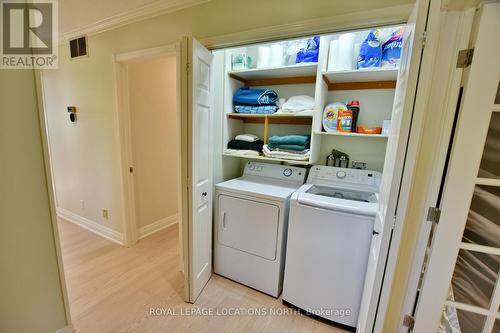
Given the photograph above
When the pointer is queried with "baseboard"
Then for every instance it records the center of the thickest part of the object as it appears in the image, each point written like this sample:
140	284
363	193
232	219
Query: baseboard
66	329
158	225
91	226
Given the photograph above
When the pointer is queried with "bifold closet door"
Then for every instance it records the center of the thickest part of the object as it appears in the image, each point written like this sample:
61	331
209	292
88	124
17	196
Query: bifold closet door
461	288
198	106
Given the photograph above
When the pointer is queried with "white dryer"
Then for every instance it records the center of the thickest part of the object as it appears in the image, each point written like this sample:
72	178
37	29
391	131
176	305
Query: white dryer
251	224
329	235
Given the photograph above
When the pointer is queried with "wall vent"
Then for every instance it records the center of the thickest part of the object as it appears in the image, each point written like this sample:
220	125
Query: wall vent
78	47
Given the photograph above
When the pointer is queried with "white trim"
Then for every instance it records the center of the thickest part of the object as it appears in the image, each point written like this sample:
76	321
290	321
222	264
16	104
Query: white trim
467	307
351	21
66	329
134	15
480	248
488	181
158	225
90	225
144	54
51	189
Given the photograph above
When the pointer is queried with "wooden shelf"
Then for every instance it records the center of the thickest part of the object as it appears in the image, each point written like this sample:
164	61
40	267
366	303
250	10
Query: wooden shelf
264	158
379	78
275	118
357	135
292	74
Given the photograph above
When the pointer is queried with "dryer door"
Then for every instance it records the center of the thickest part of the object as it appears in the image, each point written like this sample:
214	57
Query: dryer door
248	225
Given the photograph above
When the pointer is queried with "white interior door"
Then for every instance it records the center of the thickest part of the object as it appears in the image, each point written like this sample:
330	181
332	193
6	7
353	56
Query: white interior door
461	287
199	159
393	167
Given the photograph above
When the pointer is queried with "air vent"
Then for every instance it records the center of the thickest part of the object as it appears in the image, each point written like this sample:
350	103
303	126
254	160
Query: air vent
78	47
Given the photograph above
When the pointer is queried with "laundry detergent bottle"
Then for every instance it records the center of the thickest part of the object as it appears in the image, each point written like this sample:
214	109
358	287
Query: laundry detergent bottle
331	114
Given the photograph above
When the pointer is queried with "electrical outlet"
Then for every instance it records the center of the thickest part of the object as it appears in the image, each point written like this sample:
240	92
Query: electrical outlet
105	214
82	204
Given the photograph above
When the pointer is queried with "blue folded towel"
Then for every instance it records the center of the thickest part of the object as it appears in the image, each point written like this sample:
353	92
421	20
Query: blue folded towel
266	109
257	97
297	148
299	140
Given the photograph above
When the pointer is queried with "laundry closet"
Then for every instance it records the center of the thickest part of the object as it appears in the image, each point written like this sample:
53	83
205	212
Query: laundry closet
345	111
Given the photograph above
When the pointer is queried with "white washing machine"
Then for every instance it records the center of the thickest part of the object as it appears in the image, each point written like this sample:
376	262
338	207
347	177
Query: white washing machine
329	235
251	224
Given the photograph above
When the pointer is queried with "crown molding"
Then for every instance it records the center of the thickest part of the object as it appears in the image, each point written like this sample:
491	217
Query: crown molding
128	17
352	21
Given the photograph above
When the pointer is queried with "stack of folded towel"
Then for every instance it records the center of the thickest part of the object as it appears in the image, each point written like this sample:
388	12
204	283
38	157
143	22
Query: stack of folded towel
292	147
258	101
246	144
295	104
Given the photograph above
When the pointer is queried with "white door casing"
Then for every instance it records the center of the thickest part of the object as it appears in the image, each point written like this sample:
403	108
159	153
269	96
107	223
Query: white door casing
393	168
480	87
200	174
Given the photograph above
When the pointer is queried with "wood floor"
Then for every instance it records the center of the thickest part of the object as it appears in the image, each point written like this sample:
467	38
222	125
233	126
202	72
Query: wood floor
115	289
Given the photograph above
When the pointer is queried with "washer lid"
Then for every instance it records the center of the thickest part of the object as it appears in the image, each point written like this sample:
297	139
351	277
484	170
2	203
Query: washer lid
255	186
325	198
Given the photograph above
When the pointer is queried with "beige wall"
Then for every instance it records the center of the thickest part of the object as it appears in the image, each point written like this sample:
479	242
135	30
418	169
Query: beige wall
153	109
31	298
86	157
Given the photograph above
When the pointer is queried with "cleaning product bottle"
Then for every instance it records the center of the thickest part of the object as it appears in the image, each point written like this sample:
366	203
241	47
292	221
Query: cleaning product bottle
354	107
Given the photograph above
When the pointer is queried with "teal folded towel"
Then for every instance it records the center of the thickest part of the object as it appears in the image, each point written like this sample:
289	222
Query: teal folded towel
289	147
300	140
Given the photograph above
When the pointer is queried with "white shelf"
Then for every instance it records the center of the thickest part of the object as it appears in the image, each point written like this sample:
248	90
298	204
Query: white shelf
264	158
362	75
358	135
299	70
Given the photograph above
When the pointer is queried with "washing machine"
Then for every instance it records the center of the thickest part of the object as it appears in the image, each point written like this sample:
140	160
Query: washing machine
251	225
331	225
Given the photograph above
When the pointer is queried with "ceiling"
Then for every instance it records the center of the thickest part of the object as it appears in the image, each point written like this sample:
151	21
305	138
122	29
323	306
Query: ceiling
80	17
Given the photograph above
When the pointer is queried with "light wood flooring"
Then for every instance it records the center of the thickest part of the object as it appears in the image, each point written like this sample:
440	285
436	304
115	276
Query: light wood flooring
113	289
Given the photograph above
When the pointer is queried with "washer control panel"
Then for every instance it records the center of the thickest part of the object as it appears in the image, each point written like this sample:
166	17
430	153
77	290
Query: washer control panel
334	175
275	171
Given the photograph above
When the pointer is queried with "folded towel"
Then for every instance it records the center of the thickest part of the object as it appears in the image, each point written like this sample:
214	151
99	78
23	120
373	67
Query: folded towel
288	147
298	104
285	155
305	151
302	140
247	96
244	145
241	152
247	137
267	109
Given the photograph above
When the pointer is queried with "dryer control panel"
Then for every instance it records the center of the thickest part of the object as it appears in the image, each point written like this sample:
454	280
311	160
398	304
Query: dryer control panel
343	176
275	171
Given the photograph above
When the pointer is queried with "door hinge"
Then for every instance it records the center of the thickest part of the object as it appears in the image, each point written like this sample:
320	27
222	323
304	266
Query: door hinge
409	321
188	67
465	58
424	38
433	214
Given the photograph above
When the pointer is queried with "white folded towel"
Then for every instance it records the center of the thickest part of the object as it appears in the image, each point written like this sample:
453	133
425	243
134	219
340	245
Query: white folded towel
286	155
247	137
298	103
240	152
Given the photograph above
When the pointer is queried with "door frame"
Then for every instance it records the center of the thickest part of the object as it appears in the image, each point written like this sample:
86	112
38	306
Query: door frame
444	95
462	178
122	119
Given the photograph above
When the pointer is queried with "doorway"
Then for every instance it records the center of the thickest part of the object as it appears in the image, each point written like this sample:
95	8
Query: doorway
105	279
